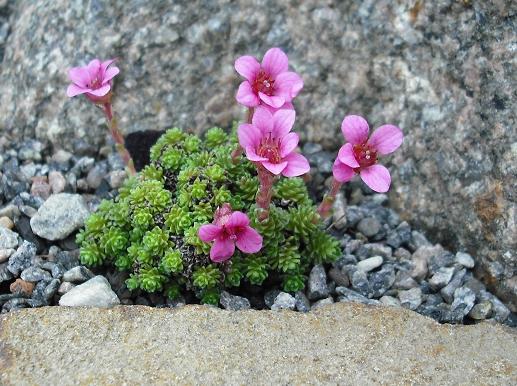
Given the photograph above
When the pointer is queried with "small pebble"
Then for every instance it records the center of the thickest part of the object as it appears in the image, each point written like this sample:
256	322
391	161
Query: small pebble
232	302
65	287
465	259
481	310
21	287
369	226
390	301
96	292
322	302
370	264
8	238
57	182
411	298
6	222
78	274
35	274
441	278
318	288
302	303
339	277
284	301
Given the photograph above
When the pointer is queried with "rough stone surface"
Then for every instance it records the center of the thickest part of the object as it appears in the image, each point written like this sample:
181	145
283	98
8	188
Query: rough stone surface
59	216
442	71
96	292
8	238
339	344
233	303
318	288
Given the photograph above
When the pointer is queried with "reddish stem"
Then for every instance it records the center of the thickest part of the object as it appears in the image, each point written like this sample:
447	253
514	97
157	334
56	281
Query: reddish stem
265	192
327	202
239	150
119	139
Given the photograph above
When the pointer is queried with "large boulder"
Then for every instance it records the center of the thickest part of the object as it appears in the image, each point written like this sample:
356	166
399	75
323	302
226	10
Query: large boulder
441	70
339	344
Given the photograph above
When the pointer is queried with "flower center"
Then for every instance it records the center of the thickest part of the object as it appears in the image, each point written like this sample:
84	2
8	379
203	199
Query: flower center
270	148
95	83
263	83
365	155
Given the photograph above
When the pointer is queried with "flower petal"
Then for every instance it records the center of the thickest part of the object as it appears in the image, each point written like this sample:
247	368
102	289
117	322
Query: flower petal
342	172
74	90
252	155
297	165
238	219
275	61
288	143
245	95
248	135
288	84
94	69
248	67
249	240
222	250
273	101
272	110
79	75
346	155
110	74
104	66
276	169
101	91
355	129
386	139
263	120
283	121
377	177
209	232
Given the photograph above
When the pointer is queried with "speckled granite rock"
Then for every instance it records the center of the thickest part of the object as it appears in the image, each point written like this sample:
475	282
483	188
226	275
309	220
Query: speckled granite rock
338	344
441	70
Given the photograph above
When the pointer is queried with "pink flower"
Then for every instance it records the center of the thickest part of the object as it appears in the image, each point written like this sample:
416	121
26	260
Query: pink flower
93	80
268	83
229	229
359	155
268	141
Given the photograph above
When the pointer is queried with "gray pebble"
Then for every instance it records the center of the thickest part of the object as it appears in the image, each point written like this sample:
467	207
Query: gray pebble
447	292
370	264
339	277
381	281
390	301
65	287
369	226
359	280
270	296
481	310
441	278
348	295
411	298
318	288
96	292
302	303
322	302
232	302
21	259
464	299
465	259
35	274
284	301
78	274
8	238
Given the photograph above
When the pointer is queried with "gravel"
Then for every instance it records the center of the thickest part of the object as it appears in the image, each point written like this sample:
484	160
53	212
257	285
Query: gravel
318	288
284	301
8	238
96	292
233	303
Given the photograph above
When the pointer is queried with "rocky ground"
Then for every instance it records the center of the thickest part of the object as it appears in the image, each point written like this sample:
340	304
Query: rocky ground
45	197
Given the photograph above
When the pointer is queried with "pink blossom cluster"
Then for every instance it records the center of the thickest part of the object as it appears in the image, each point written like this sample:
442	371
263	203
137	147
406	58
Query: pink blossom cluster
266	138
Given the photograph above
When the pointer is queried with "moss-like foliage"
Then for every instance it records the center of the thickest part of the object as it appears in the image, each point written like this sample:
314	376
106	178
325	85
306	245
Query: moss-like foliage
150	229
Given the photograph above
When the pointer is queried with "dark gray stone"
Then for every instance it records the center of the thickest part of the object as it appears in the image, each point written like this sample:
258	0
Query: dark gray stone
464	300
447	292
411	298
348	295
78	274
381	281
232	302
339	277
21	259
317	286
359	280
441	278
322	302
270	296
369	226
302	303
35	274
481	310
5	274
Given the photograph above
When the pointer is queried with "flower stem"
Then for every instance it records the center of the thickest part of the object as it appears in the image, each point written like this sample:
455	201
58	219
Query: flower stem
119	139
239	150
265	192
326	204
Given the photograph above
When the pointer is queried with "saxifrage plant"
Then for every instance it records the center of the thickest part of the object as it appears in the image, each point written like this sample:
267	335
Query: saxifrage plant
204	217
